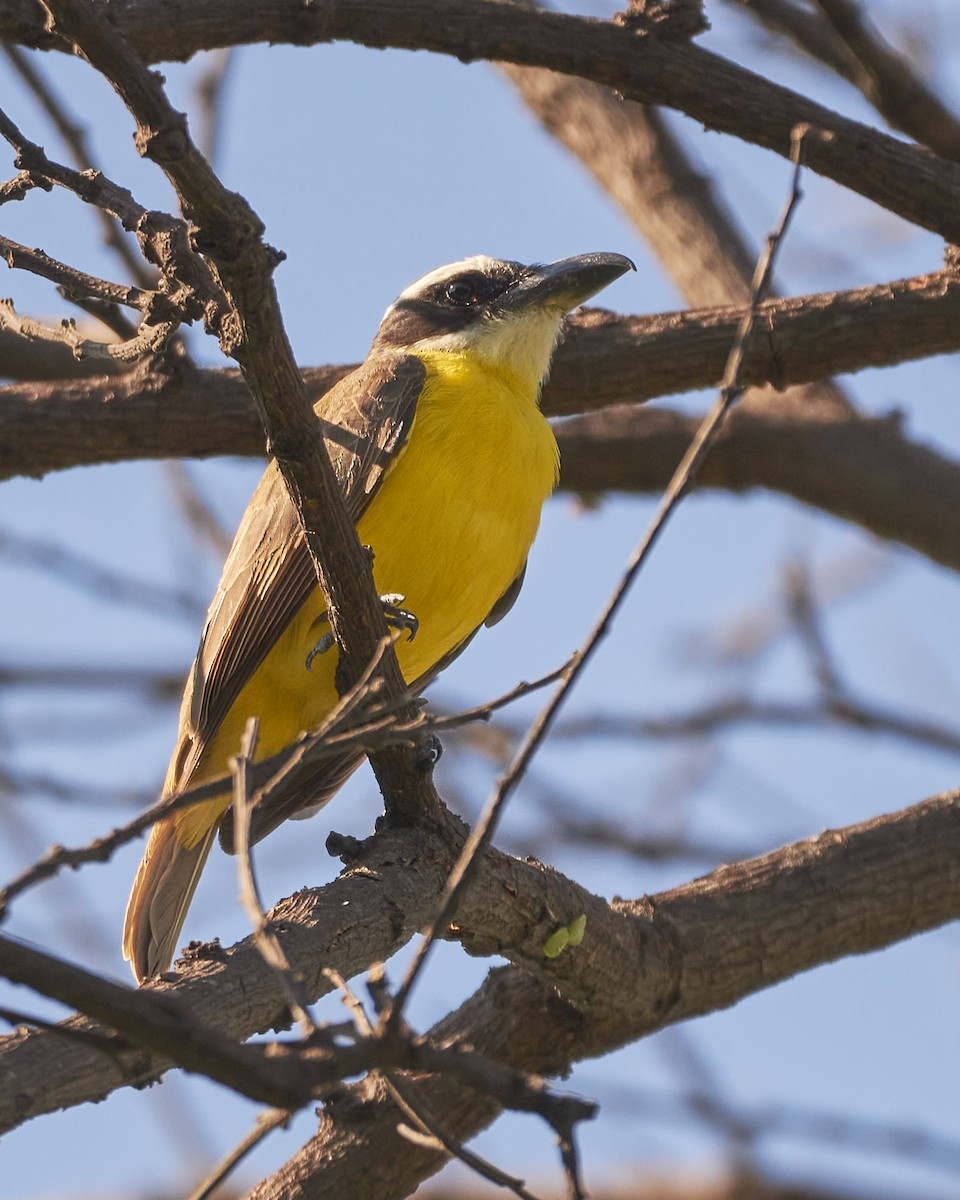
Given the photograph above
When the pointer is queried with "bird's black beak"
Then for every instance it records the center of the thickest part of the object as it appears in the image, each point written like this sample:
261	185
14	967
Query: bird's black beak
565	284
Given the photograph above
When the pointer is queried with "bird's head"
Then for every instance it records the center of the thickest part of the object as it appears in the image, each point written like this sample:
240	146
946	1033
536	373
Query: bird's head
503	313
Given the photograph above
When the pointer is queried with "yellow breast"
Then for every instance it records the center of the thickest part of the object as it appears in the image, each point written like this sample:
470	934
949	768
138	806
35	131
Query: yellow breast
450	529
454	520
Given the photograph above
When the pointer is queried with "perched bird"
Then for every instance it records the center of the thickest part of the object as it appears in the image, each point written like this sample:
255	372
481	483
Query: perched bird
445	460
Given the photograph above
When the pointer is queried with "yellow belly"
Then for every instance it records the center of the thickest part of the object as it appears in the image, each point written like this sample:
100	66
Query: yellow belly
450	529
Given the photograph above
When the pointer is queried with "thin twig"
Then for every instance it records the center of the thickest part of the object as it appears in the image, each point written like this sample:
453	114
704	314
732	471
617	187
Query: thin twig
433	1136
682	479
267	1121
20	185
200	518
75	283
150	340
360	721
104	311
430	1133
266	941
75	139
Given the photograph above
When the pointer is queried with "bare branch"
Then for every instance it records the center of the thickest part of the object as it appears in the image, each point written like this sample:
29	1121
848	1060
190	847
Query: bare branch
75	138
41	361
78	283
847	891
911	182
508	1018
150	340
226	229
266	1123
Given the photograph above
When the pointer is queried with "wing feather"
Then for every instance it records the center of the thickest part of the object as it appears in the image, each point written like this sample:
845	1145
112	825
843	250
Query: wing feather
268	575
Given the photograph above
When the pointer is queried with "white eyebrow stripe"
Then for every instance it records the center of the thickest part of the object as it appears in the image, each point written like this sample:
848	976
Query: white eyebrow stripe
479	262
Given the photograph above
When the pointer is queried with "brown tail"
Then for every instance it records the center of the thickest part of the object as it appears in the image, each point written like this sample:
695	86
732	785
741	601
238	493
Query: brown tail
161	895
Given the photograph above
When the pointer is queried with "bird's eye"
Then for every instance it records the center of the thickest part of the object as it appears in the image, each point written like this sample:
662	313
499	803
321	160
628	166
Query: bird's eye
461	292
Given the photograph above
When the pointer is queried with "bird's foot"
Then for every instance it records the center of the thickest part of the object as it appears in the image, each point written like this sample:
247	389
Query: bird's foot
395	617
428	753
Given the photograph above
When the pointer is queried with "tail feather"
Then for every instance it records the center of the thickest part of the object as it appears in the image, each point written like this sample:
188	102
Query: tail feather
160	897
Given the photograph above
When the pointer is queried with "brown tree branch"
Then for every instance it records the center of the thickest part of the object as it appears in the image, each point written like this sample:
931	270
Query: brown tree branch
226	230
642	964
75	282
605	360
910	181
848	45
39	361
146	342
516	1018
859	468
631	152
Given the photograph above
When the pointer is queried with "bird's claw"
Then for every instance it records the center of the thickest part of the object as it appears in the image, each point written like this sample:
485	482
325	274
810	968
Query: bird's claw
395	616
323	645
428	753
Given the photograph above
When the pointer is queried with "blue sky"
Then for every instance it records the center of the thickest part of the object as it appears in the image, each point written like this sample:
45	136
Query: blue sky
368	169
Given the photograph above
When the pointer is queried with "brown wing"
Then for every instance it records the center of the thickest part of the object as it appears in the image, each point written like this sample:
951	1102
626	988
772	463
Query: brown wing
366	420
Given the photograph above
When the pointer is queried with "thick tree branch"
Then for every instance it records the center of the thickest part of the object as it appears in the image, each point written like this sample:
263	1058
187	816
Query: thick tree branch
907	180
605	360
518	1019
862	469
632	153
846	43
642	965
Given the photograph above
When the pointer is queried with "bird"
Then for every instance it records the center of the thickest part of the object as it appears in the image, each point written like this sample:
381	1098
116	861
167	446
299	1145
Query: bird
445	461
